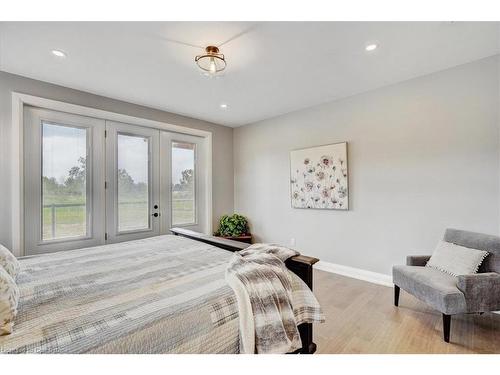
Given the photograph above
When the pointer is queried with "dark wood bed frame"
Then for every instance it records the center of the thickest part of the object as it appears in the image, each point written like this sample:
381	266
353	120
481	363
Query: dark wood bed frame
301	265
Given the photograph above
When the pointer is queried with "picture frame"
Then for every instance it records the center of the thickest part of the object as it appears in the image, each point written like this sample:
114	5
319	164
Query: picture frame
319	177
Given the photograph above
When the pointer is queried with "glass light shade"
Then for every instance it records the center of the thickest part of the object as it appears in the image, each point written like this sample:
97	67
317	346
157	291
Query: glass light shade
212	62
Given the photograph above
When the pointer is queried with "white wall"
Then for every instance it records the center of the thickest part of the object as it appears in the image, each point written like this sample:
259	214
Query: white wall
423	156
222	138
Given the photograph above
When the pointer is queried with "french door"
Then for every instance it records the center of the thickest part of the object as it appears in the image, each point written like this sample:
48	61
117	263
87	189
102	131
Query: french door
91	181
132	182
63	181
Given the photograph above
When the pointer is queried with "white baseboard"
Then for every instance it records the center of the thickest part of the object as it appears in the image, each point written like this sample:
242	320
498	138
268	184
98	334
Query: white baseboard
355	273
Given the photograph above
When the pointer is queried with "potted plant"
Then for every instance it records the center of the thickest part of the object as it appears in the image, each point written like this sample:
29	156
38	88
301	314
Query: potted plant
234	227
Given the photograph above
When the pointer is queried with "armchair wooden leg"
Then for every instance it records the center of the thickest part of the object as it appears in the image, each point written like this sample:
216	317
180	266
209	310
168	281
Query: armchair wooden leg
446	327
396	295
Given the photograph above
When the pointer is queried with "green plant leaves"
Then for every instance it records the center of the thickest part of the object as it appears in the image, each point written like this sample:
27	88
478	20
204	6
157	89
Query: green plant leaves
232	226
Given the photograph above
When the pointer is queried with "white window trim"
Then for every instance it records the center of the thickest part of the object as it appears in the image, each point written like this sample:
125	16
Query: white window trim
20	100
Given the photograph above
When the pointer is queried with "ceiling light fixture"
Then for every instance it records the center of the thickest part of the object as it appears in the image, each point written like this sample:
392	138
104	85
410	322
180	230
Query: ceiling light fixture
211	62
371	47
223	106
58	53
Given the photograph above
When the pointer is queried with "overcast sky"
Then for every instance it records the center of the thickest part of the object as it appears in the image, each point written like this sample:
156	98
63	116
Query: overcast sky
62	146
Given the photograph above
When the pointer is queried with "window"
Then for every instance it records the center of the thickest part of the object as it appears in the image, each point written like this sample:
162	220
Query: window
133	183
183	183
64	182
89	181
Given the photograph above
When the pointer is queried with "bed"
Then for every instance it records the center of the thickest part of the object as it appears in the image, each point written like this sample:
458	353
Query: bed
165	294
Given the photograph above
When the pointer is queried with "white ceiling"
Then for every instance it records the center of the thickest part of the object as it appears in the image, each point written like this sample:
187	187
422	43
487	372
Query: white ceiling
273	67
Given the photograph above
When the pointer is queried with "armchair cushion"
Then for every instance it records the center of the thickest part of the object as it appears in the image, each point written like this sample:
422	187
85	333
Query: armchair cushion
456	260
481	290
431	286
417	260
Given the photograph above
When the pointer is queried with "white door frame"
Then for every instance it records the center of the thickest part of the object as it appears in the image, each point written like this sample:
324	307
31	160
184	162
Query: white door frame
19	100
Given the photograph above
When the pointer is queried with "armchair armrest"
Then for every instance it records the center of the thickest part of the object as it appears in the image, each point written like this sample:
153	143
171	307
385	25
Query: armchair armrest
481	290
417	260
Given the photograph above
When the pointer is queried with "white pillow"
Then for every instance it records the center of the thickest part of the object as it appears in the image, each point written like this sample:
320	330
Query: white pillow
9	299
9	262
456	260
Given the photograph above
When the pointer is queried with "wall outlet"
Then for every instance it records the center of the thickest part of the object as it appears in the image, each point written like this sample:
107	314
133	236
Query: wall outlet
292	241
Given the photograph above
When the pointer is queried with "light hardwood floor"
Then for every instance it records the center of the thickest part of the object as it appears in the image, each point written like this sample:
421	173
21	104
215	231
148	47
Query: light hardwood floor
361	318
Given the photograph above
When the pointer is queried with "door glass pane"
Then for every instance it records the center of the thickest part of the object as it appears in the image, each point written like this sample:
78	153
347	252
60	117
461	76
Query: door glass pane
133	183
183	183
64	181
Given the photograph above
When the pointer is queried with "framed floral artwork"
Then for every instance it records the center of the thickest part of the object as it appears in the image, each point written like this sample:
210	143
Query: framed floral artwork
318	177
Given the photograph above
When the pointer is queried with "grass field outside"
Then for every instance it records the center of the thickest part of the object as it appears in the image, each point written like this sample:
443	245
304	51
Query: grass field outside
65	216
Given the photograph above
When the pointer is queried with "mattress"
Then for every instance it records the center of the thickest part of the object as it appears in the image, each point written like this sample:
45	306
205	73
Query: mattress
164	294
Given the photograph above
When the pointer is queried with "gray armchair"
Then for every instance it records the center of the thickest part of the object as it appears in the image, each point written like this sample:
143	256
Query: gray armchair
475	293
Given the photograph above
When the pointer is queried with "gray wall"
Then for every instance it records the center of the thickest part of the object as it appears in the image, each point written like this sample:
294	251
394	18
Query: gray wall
423	156
222	139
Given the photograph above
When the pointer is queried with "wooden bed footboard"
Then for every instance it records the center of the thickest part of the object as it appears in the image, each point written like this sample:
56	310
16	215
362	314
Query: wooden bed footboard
301	265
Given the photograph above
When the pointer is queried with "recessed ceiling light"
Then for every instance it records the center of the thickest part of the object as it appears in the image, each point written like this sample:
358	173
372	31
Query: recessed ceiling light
371	47
58	53
223	106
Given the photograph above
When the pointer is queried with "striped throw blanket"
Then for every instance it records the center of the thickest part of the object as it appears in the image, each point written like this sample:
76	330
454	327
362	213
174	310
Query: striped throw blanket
272	301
